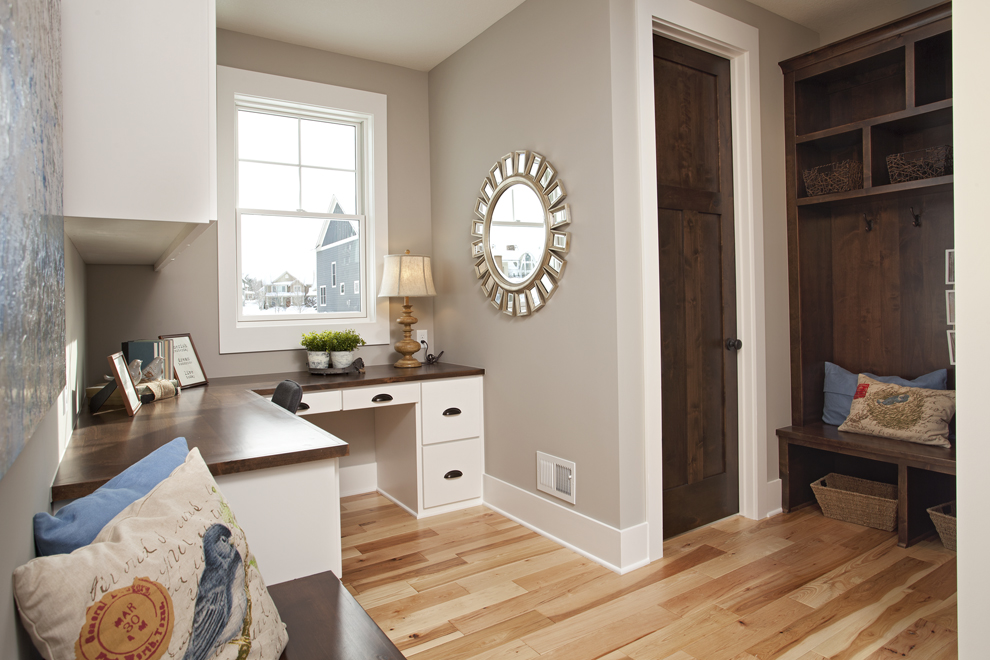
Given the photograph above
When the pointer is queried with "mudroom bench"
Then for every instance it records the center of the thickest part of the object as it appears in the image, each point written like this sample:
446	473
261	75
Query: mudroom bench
925	475
325	622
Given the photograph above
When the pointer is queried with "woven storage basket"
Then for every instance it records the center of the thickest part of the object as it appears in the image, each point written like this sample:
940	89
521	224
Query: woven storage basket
921	164
944	517
833	178
859	501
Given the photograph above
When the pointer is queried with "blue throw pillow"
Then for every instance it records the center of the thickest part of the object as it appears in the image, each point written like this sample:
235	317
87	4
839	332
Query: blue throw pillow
840	387
78	522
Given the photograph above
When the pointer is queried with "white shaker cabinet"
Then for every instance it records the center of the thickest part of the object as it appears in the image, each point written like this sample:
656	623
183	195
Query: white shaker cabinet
139	126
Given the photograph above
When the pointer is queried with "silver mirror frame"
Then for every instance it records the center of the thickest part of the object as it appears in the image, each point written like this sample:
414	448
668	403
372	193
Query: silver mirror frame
530	295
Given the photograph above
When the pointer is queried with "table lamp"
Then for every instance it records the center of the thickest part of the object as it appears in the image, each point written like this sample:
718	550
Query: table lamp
409	276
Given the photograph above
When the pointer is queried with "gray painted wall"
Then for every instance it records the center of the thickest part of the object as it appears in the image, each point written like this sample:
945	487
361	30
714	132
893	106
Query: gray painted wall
552	379
128	302
538	79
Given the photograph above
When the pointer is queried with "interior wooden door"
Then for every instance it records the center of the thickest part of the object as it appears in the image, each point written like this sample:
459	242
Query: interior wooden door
697	286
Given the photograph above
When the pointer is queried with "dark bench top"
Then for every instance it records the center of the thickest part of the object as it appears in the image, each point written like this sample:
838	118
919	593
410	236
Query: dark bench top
825	436
326	622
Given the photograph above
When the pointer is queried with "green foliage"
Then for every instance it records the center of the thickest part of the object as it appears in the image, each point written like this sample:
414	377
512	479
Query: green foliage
316	341
348	340
329	340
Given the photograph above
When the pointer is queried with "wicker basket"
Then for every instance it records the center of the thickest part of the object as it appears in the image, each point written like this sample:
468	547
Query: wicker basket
859	501
921	164
944	517
833	178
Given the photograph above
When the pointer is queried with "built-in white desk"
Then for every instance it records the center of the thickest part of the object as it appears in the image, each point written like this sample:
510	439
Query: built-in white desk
280	473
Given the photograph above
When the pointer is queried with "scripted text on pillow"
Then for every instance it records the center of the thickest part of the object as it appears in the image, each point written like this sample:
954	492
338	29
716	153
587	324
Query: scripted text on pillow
170	576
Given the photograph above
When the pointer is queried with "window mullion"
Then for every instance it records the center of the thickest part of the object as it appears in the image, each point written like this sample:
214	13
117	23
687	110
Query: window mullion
299	158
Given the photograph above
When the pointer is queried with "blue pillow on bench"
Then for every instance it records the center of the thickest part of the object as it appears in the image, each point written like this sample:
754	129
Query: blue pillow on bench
840	387
78	522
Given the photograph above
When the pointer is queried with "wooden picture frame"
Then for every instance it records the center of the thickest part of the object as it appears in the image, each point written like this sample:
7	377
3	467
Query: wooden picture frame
132	402
186	364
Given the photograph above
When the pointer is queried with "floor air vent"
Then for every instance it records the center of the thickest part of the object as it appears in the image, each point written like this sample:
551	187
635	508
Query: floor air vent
555	476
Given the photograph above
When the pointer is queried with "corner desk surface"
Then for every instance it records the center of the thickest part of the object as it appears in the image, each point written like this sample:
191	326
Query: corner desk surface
231	420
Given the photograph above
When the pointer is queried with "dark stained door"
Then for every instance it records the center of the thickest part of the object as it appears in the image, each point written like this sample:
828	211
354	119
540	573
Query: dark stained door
697	287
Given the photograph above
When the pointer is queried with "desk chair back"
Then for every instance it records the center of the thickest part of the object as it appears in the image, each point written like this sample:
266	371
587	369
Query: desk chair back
288	394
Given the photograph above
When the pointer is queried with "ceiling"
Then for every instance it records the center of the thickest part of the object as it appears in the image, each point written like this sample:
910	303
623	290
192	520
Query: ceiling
417	34
837	19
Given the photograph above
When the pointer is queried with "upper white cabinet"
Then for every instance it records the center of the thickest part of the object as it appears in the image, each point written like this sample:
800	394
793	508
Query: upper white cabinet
139	126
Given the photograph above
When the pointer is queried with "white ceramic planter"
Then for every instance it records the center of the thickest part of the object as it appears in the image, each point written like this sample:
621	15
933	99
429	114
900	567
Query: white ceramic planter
341	359
318	359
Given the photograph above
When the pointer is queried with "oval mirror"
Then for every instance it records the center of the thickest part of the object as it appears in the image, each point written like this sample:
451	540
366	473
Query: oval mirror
517	247
518	232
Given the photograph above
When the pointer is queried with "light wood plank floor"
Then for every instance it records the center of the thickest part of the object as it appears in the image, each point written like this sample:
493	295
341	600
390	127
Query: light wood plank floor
474	584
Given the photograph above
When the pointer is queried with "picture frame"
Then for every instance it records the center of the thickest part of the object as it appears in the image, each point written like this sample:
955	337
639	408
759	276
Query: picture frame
132	402
951	337
950	307
950	266
186	364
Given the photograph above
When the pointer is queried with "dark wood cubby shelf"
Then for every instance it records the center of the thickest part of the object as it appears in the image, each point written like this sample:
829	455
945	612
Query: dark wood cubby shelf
866	276
891	191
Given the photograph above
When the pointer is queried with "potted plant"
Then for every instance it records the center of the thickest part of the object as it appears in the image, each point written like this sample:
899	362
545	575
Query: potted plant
317	345
342	346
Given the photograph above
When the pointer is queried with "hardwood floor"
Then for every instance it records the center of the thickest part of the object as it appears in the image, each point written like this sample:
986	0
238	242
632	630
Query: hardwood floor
474	584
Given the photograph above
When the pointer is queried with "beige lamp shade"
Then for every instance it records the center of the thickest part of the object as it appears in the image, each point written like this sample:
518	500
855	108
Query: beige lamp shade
407	275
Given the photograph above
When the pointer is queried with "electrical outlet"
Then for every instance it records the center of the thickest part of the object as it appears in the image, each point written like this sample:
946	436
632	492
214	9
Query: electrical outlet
421	336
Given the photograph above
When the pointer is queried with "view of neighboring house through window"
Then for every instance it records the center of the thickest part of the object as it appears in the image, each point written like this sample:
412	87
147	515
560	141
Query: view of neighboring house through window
299	209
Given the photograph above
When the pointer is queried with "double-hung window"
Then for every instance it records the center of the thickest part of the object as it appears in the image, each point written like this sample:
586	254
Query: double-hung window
302	208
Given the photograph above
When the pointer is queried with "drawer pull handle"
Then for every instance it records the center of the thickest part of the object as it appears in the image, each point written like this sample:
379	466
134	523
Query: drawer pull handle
453	474
379	398
450	412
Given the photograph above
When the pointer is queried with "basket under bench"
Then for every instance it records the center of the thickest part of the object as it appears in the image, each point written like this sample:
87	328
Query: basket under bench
925	475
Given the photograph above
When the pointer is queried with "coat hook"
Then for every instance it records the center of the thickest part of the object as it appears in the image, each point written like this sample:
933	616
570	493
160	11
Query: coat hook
869	222
917	217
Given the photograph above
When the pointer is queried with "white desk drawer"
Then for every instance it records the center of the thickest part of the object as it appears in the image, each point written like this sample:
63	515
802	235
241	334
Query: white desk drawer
451	409
385	395
442	462
321	402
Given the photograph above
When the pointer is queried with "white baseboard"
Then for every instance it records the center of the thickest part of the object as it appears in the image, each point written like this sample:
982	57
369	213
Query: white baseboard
358	479
774	497
619	550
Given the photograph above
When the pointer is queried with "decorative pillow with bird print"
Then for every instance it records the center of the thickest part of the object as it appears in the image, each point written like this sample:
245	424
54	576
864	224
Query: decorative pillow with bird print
171	576
903	413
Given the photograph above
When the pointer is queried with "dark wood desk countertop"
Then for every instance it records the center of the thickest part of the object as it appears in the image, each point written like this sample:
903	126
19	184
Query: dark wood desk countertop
231	420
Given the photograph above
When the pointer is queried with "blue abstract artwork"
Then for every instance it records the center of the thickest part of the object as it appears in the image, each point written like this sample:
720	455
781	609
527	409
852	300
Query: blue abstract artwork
32	260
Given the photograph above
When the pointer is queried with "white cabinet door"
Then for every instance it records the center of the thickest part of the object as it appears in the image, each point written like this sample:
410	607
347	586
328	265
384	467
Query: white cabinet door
139	110
451	409
452	471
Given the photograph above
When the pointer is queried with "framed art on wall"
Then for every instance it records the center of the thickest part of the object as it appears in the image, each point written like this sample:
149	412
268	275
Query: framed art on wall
188	369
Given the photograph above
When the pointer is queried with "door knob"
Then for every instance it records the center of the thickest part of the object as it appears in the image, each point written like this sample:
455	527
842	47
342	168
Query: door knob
733	344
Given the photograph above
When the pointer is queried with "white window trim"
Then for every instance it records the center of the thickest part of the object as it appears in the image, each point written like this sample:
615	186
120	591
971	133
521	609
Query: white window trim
341	288
277	334
323	295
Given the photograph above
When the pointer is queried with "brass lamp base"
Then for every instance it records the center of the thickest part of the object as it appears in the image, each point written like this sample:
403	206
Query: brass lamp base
407	346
